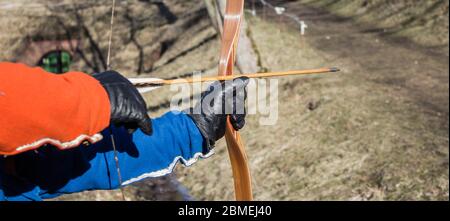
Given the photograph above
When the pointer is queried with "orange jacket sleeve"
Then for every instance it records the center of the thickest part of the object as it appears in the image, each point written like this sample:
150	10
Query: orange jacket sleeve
38	108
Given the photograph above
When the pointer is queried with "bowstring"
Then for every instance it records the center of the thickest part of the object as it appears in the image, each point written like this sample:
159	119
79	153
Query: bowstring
108	59
108	66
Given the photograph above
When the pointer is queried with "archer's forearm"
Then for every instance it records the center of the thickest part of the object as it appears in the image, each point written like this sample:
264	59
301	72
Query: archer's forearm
37	107
52	172
175	139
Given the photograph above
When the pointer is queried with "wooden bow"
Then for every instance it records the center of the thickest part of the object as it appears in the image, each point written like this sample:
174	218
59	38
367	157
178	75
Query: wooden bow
239	163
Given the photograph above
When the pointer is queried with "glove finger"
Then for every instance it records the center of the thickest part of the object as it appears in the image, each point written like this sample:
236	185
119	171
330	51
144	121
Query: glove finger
238	121
137	120
146	126
139	113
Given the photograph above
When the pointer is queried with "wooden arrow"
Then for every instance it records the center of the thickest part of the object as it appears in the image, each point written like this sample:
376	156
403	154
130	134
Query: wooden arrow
148	84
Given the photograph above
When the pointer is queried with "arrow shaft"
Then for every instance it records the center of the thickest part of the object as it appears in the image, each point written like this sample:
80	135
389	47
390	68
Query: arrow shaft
162	82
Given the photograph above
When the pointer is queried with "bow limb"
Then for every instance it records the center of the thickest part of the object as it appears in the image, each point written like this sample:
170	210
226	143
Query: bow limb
236	150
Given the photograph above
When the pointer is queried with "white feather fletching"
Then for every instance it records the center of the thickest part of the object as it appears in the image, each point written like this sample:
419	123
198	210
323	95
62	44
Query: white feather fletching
146	89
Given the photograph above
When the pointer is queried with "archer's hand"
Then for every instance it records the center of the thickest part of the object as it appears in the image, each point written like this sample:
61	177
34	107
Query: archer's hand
222	99
128	108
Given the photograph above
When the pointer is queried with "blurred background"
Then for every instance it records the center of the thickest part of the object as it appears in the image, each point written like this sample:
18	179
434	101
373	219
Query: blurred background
376	131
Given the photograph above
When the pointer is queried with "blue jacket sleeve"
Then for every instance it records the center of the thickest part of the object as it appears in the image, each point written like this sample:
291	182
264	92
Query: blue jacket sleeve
51	172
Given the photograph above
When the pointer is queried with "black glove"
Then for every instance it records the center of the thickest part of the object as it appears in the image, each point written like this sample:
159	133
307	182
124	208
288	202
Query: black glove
209	115
128	108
